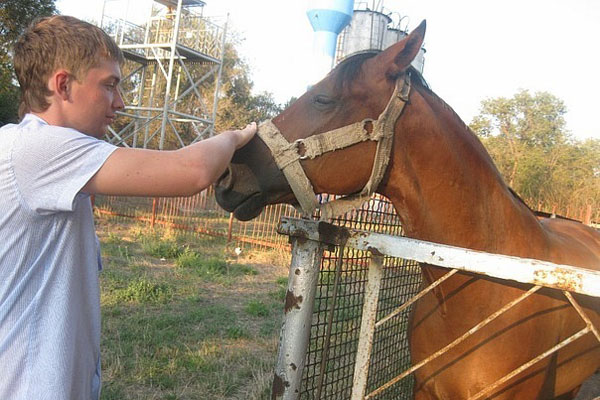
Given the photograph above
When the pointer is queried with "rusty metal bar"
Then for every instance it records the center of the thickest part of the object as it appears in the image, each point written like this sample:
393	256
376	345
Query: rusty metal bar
455	342
524	270
367	328
582	314
153	219
415	298
295	330
230	228
531	362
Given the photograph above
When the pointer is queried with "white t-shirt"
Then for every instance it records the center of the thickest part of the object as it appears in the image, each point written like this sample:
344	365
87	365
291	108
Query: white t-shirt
49	263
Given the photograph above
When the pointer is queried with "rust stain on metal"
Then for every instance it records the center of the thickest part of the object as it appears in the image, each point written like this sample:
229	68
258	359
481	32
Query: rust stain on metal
375	251
329	233
292	301
301	240
561	277
297	234
279	386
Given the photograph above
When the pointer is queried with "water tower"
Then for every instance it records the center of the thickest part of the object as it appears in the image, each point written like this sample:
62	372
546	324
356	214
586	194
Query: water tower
373	28
328	18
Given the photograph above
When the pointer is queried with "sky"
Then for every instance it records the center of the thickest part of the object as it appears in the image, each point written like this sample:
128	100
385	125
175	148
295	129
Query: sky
476	49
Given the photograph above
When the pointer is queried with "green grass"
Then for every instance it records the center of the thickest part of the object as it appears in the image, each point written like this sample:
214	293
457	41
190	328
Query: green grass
161	248
257	308
144	291
183	317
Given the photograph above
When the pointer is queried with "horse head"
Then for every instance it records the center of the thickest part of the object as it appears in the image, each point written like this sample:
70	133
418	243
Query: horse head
354	95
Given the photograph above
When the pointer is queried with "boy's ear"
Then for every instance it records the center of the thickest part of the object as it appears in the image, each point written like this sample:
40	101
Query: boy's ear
60	83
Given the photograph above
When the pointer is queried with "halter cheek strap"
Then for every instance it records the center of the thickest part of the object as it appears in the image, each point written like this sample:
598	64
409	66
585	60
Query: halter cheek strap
288	155
288	161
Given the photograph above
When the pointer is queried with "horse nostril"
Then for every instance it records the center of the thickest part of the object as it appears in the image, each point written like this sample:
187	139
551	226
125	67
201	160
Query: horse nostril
225	181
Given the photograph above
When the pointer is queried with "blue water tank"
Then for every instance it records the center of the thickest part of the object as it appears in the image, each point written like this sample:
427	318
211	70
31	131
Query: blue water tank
328	18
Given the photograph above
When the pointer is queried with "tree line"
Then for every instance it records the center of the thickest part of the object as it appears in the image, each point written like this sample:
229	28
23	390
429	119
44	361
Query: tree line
526	134
527	137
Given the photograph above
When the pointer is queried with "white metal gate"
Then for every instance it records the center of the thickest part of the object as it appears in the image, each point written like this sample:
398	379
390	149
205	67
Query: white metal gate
310	238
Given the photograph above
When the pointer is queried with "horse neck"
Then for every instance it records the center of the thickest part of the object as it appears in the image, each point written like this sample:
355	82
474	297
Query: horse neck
446	188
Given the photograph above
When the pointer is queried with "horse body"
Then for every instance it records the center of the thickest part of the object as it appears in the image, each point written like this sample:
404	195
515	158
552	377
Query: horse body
456	196
445	189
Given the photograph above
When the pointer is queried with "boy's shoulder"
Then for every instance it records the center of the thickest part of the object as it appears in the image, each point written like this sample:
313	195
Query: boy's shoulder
34	137
35	128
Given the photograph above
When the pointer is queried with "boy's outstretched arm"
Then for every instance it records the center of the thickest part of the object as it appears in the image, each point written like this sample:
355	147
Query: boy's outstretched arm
183	172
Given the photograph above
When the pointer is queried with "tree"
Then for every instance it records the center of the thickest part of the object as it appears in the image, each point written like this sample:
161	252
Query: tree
526	136
515	127
15	16
237	105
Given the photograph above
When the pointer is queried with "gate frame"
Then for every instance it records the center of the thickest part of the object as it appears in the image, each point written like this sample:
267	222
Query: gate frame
309	238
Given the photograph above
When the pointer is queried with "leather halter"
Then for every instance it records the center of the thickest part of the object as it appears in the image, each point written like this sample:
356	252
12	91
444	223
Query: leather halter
288	155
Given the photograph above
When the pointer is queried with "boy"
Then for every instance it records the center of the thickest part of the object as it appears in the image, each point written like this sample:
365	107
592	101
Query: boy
50	163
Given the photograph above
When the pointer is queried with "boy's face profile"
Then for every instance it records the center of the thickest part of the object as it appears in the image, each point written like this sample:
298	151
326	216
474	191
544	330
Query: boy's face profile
93	102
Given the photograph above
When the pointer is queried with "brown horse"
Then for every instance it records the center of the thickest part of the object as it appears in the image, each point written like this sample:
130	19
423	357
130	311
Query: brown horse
445	189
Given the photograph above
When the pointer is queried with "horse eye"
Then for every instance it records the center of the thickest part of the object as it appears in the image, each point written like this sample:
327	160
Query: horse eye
321	100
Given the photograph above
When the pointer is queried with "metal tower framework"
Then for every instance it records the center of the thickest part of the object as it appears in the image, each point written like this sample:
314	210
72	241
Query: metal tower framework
172	74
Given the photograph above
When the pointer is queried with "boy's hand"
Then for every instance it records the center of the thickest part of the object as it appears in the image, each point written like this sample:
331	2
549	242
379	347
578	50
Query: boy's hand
244	135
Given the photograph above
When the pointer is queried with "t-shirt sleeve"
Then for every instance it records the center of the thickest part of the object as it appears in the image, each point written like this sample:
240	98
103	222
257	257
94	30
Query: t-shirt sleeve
52	165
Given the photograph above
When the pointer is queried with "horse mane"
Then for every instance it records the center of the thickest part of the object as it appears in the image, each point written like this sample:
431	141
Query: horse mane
349	69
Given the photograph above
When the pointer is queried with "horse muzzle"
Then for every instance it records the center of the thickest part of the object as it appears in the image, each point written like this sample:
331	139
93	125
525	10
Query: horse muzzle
244	200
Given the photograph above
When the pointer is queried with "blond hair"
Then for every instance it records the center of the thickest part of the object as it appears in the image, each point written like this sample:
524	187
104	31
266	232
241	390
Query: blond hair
51	43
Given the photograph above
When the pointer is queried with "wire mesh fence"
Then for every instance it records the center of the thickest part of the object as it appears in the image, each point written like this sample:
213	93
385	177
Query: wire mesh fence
201	214
335	330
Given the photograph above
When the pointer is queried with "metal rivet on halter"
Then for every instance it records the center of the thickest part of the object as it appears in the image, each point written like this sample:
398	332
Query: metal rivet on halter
297	144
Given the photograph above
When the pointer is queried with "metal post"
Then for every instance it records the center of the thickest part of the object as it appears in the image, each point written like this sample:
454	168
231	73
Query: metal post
367	328
588	215
102	15
295	330
153	219
219	77
150	104
140	103
173	54
230	228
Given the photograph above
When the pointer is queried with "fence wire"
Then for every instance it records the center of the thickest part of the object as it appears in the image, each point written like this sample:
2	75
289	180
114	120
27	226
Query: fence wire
329	367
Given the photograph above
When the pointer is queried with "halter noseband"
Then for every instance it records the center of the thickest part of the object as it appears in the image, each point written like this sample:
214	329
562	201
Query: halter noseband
288	155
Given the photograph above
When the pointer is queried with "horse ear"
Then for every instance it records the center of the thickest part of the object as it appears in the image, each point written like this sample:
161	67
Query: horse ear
398	57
